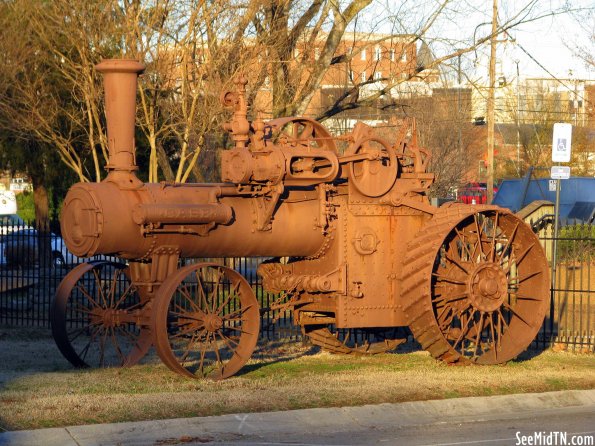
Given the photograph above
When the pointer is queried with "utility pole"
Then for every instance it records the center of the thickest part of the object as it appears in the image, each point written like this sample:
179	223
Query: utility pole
518	121
491	95
459	106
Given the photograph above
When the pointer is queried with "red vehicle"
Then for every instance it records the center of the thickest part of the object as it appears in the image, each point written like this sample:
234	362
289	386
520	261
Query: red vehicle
474	193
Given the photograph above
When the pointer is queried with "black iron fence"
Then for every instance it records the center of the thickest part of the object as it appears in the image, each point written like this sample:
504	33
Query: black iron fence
32	265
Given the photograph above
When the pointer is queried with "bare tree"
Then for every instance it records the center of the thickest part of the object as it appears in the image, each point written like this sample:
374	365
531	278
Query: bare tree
192	50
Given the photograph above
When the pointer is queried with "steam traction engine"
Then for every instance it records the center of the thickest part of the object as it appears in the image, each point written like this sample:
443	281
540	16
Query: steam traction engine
362	247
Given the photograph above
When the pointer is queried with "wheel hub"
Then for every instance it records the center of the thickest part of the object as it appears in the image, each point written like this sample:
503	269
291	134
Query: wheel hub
213	322
108	317
488	287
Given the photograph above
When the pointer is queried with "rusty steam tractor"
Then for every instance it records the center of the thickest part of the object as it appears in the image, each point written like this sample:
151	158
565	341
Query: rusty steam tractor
354	241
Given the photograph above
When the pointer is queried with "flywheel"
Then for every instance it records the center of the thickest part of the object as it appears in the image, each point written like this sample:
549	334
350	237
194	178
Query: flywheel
475	285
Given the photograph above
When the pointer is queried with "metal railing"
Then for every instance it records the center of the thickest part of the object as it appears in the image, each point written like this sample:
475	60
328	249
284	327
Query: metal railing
32	266
571	320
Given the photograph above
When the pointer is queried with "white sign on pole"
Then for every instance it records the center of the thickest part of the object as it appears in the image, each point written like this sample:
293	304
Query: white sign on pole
552	185
561	143
560	172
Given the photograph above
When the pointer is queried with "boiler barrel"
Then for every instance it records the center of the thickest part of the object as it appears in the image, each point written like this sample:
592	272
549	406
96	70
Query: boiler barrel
101	218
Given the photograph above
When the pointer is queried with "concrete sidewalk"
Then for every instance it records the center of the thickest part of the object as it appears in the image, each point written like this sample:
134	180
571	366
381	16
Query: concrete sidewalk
259	428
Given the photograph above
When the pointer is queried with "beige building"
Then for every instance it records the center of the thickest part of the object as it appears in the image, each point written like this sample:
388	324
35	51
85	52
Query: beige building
365	63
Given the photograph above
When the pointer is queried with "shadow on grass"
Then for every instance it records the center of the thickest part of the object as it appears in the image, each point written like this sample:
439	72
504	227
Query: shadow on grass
277	352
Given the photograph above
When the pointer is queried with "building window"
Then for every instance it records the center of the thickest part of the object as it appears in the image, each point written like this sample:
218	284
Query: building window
363	54
351	75
404	56
364	78
392	54
378	75
377	53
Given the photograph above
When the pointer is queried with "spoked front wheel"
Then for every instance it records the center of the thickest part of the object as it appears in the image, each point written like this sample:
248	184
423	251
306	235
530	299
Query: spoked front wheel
95	315
206	321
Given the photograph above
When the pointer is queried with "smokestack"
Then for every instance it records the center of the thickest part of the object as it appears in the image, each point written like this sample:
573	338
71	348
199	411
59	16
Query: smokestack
119	80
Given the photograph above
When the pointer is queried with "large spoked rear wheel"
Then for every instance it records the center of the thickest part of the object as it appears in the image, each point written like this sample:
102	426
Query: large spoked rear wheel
476	285
206	321
94	317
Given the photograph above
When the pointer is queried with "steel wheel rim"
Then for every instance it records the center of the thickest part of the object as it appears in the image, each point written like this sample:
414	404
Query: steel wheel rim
90	317
206	321
489	293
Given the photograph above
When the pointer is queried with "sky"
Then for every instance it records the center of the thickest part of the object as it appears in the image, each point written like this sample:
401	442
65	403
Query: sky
545	39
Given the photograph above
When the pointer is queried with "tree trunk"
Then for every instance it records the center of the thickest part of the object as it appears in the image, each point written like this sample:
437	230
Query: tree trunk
42	223
163	162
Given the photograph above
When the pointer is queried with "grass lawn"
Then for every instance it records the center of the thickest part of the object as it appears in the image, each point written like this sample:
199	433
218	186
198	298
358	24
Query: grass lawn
38	388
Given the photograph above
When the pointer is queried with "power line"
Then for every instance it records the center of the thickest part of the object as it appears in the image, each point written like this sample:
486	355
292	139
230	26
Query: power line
549	72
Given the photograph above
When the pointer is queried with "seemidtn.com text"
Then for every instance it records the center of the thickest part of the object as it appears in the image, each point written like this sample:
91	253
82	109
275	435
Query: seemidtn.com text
555	439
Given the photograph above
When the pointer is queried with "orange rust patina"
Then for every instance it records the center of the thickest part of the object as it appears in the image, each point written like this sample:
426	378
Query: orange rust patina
352	239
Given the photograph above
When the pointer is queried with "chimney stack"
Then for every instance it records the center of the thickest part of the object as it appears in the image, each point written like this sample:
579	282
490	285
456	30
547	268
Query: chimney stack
120	82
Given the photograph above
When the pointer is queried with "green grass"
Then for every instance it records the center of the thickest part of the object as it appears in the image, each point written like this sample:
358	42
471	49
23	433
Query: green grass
38	388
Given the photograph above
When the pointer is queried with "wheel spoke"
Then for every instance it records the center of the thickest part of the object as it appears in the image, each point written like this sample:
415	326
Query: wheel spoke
203	353
112	289
519	280
464	244
201	292
87	294
464	329
215	293
100	288
456	263
523	296
193	340
509	243
479	331
444	278
479	238
494	343
514	312
186	294
524	254
232	293
493	248
117	345
124	295
134	339
218	344
449	299
232	314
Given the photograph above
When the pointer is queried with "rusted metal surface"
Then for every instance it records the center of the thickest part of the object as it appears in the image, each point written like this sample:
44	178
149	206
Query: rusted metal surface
476	285
363	248
98	319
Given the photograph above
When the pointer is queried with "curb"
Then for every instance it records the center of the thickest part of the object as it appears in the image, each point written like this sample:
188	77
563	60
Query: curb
278	425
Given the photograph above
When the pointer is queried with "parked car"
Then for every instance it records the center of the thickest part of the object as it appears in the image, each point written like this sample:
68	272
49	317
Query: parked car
10	223
19	246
